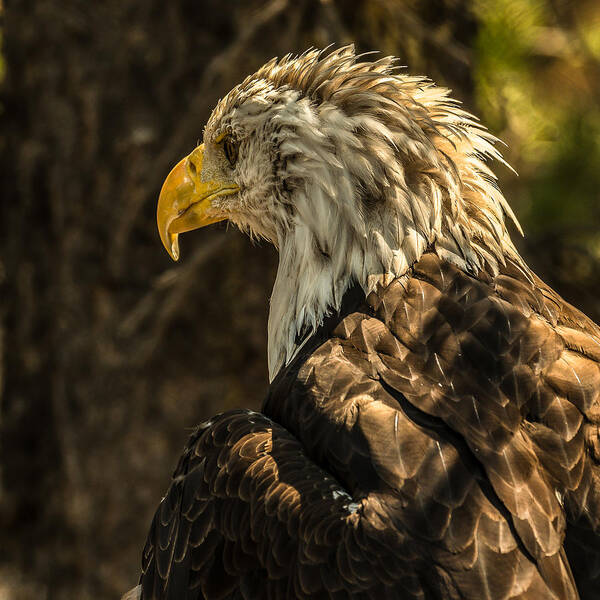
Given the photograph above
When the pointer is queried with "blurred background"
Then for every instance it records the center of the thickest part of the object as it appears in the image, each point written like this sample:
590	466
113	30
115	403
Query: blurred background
109	352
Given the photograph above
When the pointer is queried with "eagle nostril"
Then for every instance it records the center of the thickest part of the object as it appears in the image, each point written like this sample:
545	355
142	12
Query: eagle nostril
191	168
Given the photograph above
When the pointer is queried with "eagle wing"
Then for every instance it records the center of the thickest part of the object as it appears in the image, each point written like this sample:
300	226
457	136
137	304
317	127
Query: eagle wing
248	515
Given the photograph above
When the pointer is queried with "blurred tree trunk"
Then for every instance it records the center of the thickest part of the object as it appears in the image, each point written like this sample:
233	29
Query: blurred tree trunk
109	351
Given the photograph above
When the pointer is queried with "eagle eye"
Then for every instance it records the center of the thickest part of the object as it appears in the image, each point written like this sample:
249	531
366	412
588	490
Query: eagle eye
230	148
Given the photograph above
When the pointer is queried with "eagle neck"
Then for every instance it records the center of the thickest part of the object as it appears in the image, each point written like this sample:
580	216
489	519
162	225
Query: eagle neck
309	286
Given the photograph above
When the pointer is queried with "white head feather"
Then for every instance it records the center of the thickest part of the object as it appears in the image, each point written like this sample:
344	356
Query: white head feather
352	170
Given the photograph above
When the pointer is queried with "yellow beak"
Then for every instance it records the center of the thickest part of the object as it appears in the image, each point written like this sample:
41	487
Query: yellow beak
185	201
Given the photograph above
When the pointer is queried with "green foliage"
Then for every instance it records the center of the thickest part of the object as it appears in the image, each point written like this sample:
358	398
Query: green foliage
537	85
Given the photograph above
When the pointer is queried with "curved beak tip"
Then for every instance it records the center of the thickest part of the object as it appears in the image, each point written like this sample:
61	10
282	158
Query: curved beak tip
174	247
174	192
169	240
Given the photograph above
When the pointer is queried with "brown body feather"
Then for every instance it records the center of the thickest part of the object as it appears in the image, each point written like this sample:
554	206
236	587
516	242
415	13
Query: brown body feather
438	440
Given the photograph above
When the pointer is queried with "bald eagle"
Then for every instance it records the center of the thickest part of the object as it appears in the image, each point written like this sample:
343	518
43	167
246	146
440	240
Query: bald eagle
431	428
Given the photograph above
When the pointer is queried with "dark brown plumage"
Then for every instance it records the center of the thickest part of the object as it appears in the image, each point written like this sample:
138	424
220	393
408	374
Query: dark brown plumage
412	450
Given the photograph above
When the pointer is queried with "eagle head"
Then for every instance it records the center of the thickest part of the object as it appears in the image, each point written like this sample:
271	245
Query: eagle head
352	170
